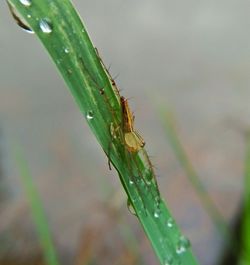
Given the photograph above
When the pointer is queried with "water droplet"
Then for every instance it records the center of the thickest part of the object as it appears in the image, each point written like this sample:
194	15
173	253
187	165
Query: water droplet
158	199
113	130
170	222
131	182
28	16
26	2
157	213
45	25
90	115
19	20
130	207
149	182
182	245
66	50
26	28
169	261
157	206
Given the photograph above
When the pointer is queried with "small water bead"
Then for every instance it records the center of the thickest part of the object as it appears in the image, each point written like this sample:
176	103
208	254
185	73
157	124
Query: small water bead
19	20
113	130
149	182
169	261
140	205
90	115
157	205
139	181
131	182
157	199
66	50
59	61
26	2
45	25
182	245
170	222
27	29
157	213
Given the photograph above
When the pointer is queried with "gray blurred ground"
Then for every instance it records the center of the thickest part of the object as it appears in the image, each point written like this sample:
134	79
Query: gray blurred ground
192	56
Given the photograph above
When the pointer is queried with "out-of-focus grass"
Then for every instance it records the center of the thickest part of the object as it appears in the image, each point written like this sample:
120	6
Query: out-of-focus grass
178	148
37	211
245	227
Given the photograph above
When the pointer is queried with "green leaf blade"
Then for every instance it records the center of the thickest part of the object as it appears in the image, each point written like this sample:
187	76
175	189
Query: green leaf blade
78	62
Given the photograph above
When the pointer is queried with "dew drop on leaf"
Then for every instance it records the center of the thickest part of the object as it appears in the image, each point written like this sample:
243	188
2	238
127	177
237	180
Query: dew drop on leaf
113	130
169	261
66	50
170	222
131	182
182	245
45	26
157	213
90	115
26	2
149	182
20	22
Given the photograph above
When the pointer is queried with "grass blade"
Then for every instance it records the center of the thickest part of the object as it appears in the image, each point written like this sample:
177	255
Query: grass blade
37	211
245	231
61	31
182	157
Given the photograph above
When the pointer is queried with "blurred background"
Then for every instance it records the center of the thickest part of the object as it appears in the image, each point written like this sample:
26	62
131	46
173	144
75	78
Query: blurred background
191	57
